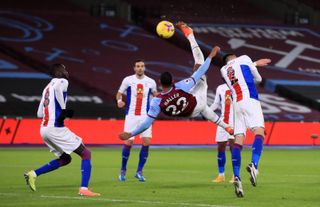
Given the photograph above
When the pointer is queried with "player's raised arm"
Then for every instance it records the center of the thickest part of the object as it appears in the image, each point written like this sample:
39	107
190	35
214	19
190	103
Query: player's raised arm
205	66
254	71
262	62
188	83
152	115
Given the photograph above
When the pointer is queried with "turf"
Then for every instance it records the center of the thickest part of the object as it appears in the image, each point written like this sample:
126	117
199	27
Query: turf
175	177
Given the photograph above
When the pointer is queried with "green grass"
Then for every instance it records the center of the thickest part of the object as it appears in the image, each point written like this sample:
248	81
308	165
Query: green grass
175	177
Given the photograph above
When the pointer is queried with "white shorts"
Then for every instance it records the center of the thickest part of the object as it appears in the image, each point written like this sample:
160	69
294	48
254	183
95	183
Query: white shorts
200	91
60	140
222	135
248	115
132	121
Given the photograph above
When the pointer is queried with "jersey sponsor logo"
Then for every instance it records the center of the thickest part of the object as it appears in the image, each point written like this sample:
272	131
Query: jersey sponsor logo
139	98
234	82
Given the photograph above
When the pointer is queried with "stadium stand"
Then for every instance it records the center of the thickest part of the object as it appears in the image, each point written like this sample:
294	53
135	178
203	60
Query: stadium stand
99	52
246	29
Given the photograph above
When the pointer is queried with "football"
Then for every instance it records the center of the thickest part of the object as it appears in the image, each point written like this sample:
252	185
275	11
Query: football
165	29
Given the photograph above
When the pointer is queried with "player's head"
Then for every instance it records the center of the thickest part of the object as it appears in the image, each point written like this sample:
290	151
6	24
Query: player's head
227	57
59	71
139	67
166	79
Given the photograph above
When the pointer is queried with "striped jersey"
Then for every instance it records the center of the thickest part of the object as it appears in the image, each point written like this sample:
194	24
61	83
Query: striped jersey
138	93
54	98
223	99
240	74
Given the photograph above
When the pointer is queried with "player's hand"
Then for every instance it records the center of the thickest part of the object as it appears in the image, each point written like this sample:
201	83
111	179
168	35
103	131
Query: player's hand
263	62
214	52
229	130
125	135
121	104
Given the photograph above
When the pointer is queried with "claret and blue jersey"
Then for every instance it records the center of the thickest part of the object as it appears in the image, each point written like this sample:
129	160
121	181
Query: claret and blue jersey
177	101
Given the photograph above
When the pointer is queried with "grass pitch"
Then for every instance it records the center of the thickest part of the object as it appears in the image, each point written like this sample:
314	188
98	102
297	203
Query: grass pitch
175	177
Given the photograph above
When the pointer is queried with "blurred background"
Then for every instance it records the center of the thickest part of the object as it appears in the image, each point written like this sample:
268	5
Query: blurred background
98	41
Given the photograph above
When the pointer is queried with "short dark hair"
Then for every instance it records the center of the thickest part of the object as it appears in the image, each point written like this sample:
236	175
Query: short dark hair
137	60
226	58
166	79
56	70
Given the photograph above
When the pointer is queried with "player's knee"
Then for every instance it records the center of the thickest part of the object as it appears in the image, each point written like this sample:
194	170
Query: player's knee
145	141
259	131
86	154
222	147
64	159
128	142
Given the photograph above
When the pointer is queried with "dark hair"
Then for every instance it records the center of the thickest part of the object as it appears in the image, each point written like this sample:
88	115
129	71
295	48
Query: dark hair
166	79
226	58
136	61
57	70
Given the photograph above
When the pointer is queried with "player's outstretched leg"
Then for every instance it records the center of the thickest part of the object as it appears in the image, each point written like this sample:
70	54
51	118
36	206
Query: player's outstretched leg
30	176
185	29
85	155
126	149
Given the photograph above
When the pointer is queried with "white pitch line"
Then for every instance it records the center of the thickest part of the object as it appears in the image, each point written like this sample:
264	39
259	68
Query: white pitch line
133	201
118	200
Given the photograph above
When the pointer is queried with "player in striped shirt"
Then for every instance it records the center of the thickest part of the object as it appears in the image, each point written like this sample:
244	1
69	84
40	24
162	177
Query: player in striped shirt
241	74
60	140
139	90
223	100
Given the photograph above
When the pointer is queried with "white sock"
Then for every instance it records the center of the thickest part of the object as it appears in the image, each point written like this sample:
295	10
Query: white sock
34	173
196	51
221	174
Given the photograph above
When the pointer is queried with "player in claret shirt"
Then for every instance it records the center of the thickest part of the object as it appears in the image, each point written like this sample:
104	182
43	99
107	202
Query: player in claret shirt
186	98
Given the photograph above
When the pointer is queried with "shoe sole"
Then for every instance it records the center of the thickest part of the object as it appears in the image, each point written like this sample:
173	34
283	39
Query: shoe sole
26	177
253	178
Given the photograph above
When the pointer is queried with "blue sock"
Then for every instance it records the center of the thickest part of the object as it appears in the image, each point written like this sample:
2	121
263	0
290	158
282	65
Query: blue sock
236	159
125	156
256	150
86	172
52	165
221	161
144	152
